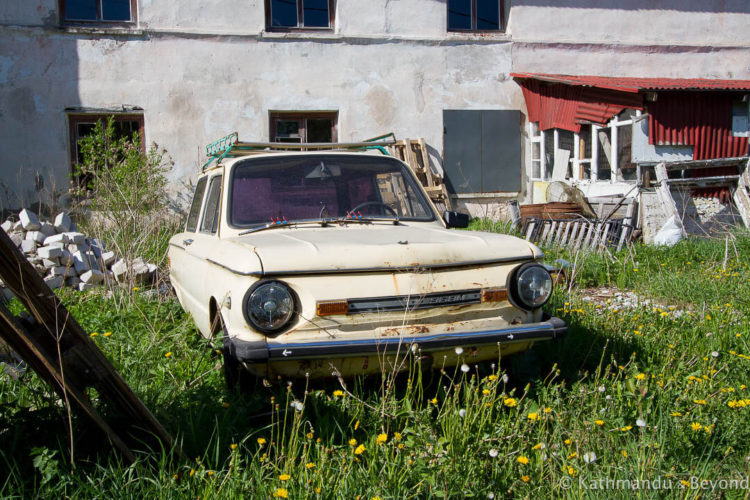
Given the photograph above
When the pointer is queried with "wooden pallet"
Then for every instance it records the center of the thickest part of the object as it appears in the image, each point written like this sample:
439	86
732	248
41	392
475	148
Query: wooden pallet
413	152
580	233
53	344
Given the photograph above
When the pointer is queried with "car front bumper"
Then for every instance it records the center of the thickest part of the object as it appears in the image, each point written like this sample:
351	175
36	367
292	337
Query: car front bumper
264	352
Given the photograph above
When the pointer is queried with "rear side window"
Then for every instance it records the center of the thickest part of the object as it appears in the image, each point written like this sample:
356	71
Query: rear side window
210	222
195	207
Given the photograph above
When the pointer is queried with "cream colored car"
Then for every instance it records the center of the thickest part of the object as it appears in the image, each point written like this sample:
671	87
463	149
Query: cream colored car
321	263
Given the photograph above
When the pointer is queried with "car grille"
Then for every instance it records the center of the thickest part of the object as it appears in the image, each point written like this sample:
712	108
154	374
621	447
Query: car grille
414	302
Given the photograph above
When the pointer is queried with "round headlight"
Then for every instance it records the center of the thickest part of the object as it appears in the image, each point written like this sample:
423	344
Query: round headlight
269	306
534	286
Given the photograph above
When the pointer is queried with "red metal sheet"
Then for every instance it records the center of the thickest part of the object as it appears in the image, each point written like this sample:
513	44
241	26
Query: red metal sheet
565	106
699	119
624	84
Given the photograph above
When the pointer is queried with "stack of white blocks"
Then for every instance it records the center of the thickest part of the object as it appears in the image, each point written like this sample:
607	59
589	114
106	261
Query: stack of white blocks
66	257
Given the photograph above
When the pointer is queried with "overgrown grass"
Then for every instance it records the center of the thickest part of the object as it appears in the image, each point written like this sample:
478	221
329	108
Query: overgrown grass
629	395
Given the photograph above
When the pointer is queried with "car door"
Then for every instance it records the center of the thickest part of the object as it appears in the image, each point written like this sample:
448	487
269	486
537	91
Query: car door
198	248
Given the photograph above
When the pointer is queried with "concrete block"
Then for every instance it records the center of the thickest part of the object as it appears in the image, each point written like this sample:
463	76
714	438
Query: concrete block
97	251
16	238
17	226
54	281
66	258
49	252
81	262
48	229
37	236
80	247
120	270
50	263
29	220
63	223
83	287
7	226
56	238
28	246
72	281
108	258
76	238
92	277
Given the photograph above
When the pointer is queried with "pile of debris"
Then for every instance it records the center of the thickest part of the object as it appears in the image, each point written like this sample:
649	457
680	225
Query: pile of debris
65	257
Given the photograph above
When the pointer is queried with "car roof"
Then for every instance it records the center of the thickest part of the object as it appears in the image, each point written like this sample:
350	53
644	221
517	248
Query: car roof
228	162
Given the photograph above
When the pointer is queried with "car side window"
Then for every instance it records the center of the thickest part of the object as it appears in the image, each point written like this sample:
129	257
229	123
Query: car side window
210	221
195	206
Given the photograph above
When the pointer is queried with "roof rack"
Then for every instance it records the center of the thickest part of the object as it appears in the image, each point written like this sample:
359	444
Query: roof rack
231	147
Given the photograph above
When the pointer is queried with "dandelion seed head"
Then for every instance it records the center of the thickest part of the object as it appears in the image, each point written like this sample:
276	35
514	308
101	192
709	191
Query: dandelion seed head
493	452
589	457
640	422
462	413
602	388
465	368
459	350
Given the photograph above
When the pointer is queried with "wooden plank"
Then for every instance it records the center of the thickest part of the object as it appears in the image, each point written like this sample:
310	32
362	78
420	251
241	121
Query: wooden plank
551	233
530	230
585	228
628	221
426	162
564	239
83	363
545	230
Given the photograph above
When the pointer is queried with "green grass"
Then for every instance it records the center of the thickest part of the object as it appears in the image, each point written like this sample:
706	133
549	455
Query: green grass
530	435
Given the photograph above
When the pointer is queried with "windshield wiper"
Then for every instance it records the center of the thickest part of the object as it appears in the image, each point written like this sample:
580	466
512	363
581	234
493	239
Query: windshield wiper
324	222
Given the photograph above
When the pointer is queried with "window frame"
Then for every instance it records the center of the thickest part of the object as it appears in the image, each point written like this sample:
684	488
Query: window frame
474	29
218	179
98	21
198	195
76	118
302	116
300	19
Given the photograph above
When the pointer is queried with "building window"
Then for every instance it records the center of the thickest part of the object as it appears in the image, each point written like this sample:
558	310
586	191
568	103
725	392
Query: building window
282	15
476	15
83	124
303	127
98	11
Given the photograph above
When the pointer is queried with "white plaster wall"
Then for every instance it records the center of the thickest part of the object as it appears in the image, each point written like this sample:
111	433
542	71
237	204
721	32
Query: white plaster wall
638	22
28	12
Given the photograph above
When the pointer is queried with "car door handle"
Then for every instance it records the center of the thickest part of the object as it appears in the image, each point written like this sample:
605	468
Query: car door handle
187	242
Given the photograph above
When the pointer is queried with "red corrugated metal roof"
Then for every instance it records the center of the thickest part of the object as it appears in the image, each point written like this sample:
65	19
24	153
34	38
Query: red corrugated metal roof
566	106
624	84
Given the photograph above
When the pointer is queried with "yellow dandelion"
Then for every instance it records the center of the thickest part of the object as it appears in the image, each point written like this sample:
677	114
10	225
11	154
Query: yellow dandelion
538	446
285	477
281	493
309	435
599	422
696	426
571	471
573	455
360	449
261	441
522	460
485	392
533	416
233	446
568	442
356	425
309	465
107	334
699	401
397	436
93	334
492	377
168	354
192	472
510	402
640	376
434	401
317	489
338	393
624	453
382	438
547	409
626	428
676	414
352	442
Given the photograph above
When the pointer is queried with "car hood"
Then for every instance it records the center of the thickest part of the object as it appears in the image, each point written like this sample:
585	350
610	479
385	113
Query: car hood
352	248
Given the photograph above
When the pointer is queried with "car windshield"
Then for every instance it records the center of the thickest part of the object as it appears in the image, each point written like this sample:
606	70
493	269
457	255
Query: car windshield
314	187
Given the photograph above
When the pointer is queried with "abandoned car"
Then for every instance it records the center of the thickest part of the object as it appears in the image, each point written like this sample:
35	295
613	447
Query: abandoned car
315	263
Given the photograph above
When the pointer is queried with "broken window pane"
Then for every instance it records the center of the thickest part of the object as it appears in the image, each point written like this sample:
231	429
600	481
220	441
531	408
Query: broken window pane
210	223
288	131
459	14
80	10
195	206
116	10
315	13
284	13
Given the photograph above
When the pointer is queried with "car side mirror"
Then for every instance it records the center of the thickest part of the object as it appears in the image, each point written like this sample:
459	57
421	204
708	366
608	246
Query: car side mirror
456	219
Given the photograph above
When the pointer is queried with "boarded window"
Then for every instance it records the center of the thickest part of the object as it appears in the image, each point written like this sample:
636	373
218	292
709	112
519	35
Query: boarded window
482	150
210	223
195	206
